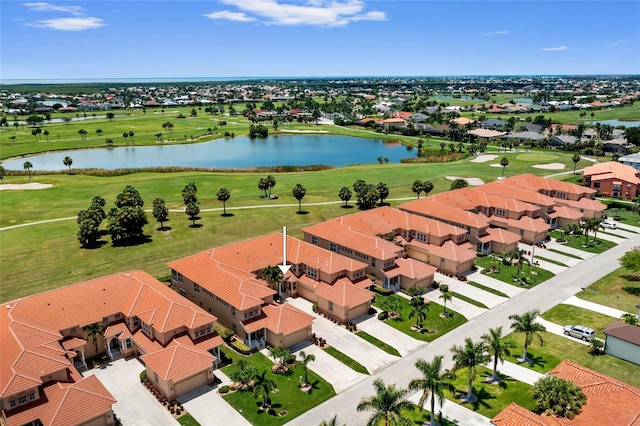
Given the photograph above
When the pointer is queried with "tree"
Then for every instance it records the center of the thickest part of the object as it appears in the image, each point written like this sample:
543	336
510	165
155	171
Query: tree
306	359
193	210
504	163
383	191
419	310
359	185
125	135
299	192
27	166
558	397
497	347
223	196
632	135
94	331
427	187
110	116
243	373
280	355
131	135
83	134
68	162
367	197
526	324
417	187
127	219
345	195
575	159
392	304
46	134
386	405
273	276
631	260
263	385
446	296
272	183
470	356
88	229
2	171
129	197
332	422
263	185
160	211
434	382
630	319
189	193
459	183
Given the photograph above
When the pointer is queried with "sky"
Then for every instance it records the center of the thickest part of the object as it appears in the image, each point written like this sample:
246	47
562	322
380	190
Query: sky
98	39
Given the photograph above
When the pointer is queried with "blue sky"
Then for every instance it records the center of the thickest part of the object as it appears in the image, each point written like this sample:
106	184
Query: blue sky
237	38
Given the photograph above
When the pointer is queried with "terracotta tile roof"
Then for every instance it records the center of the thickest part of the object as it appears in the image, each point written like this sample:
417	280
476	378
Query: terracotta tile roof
475	198
609	401
205	343
145	344
584	204
623	331
346	295
454	252
415	269
536	183
178	362
255	324
463	120
611	170
286	319
347	236
525	223
73	343
311	283
506	188
486	133
502	236
63	402
119	329
440	211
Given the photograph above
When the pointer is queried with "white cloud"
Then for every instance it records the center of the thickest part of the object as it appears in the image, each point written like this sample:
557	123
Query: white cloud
324	13
554	49
230	16
48	7
497	33
70	24
618	43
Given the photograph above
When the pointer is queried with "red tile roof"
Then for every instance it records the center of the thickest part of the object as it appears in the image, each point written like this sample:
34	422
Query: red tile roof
415	269
346	295
178	362
286	318
431	208
612	170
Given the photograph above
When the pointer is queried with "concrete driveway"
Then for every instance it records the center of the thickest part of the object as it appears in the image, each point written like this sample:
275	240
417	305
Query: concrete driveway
466	309
209	408
558	330
136	406
404	343
548	254
489	299
488	281
370	356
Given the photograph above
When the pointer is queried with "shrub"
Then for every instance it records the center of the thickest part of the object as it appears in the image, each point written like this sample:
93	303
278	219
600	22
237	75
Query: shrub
416	291
314	307
383	315
143	375
226	334
240	347
383	291
181	115
372	310
224	389
444	288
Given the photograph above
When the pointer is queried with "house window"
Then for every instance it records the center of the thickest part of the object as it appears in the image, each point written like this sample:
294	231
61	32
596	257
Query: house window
196	288
12	403
118	315
136	321
22	400
32	396
500	212
442	263
128	343
233	326
330	306
182	292
314	240
312	273
155	377
421	237
105	319
596	185
146	329
233	311
176	276
562	195
333	247
373	262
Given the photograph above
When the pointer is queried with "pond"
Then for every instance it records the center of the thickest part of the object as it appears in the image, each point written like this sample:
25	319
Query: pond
522	100
61	120
239	152
465	97
616	123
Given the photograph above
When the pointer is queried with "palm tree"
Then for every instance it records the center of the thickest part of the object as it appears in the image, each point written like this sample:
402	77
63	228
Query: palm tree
526	324
345	195
82	133
427	187
434	381
223	195
470	356
419	311
299	192
273	276
332	422
27	166
263	385
93	331
504	163
446	296
46	135
306	359
417	187
131	135
575	159
125	135
68	162
386	405
498	347
558	397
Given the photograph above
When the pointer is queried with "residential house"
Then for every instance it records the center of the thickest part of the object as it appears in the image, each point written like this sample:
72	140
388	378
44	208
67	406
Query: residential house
530	127
493	124
523	136
561	141
612	179
485	133
609	401
623	341
618	146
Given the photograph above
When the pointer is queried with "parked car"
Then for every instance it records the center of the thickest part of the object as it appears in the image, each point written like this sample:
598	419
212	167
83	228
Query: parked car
607	224
580	332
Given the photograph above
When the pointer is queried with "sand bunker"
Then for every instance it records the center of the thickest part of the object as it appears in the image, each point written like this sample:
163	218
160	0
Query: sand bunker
32	185
470	181
304	131
484	158
549	166
495	165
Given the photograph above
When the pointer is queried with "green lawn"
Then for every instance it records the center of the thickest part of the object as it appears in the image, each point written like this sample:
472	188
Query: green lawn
188	420
492	398
578	241
573	315
565	254
433	327
555	262
614	290
422	417
488	289
378	343
557	348
288	396
468	300
346	360
508	273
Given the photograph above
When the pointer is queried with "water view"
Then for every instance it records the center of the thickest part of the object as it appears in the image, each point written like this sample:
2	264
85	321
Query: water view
616	123
239	152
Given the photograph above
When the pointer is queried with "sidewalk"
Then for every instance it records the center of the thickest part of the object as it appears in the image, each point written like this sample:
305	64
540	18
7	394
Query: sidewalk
595	307
453	412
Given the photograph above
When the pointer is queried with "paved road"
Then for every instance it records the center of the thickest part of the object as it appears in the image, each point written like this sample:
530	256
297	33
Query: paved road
542	297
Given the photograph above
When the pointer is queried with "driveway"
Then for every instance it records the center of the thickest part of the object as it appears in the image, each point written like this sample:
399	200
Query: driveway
595	307
136	406
570	250
404	343
488	281
370	356
489	299
466	309
455	413
558	330
209	408
548	254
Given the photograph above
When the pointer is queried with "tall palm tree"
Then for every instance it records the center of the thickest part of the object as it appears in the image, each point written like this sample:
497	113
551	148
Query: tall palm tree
386	405
131	135
427	187
263	385
273	276
497	347
299	192
526	323
575	159
332	422
434	381
419	311
446	296
345	195
306	359
470	356
504	163
27	166
93	332
68	161
417	187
